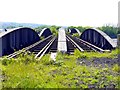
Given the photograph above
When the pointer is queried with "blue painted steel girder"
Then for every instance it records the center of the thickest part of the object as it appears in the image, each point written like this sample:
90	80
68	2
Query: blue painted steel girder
98	38
16	39
45	32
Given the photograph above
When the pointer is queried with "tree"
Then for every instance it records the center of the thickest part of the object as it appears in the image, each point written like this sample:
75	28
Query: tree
118	32
39	29
109	30
76	35
10	27
80	28
54	29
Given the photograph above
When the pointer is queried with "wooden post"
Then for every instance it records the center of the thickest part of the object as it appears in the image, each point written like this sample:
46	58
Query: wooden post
118	36
118	45
118	40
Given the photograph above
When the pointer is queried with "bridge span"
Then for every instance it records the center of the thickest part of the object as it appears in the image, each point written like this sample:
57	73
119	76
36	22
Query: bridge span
19	38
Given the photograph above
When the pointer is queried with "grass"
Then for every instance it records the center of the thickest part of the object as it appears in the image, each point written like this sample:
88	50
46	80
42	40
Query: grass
113	54
27	72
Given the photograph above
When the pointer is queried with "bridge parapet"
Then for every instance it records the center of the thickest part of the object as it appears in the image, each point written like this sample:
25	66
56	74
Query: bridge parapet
62	45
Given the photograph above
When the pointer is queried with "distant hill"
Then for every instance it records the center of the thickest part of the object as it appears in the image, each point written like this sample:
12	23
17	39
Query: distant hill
14	24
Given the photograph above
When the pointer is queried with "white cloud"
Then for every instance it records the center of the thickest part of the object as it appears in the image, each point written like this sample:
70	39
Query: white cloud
60	12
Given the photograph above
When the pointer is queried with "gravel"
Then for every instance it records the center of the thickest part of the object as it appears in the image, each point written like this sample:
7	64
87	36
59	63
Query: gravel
98	61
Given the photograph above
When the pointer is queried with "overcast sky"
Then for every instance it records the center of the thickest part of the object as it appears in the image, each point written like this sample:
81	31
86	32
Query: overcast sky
60	12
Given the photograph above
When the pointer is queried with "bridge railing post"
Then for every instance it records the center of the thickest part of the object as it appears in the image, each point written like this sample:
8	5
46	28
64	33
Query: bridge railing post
118	46
118	36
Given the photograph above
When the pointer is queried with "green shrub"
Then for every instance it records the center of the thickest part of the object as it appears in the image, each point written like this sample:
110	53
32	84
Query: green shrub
116	68
76	35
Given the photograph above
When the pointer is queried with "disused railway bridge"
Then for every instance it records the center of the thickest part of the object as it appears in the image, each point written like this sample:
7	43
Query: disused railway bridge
89	40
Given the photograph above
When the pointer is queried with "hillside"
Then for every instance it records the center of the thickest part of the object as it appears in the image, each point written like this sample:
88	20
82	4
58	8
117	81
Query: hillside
14	24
